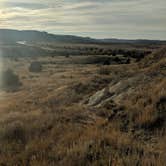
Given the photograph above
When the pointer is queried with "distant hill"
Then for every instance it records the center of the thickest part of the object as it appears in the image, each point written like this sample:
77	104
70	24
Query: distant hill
10	36
13	36
138	41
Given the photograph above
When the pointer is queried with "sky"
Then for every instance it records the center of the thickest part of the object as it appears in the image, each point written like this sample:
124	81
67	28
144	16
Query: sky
127	19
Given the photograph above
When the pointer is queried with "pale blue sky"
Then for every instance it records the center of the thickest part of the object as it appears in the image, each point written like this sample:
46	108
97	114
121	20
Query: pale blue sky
95	18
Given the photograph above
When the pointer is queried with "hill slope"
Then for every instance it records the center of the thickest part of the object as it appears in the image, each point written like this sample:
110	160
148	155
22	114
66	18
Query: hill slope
10	36
86	114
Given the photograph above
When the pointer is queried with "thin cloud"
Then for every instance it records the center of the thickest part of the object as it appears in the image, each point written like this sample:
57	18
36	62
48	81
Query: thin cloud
96	18
26	5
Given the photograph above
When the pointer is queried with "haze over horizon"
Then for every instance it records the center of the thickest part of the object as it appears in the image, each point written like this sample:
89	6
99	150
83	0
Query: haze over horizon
124	19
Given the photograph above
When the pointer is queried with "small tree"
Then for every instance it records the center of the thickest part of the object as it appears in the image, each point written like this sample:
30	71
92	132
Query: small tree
67	55
128	61
114	53
106	62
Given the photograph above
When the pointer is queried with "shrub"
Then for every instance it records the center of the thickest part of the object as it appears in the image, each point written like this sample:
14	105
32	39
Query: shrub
9	80
67	55
161	106
104	71
128	61
13	132
35	67
114	53
106	62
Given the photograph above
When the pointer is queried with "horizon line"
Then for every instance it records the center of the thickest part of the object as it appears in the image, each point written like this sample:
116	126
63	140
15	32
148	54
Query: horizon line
60	34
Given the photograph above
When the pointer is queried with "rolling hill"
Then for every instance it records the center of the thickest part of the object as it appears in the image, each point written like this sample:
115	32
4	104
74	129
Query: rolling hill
12	36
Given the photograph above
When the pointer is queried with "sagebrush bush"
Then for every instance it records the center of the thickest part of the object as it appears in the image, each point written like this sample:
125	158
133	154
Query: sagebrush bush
35	67
104	71
13	132
9	80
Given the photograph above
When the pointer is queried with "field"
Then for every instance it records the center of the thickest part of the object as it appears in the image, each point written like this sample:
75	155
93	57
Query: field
84	105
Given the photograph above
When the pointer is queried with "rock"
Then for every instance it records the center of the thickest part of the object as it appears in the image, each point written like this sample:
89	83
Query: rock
99	96
118	91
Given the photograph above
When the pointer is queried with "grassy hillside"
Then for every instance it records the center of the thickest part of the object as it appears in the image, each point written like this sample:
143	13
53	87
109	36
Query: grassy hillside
85	113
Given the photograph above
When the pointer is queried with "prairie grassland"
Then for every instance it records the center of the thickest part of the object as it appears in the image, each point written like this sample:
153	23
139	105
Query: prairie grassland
49	120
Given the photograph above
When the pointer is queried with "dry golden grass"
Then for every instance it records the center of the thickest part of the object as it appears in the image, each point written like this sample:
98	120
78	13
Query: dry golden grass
48	121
